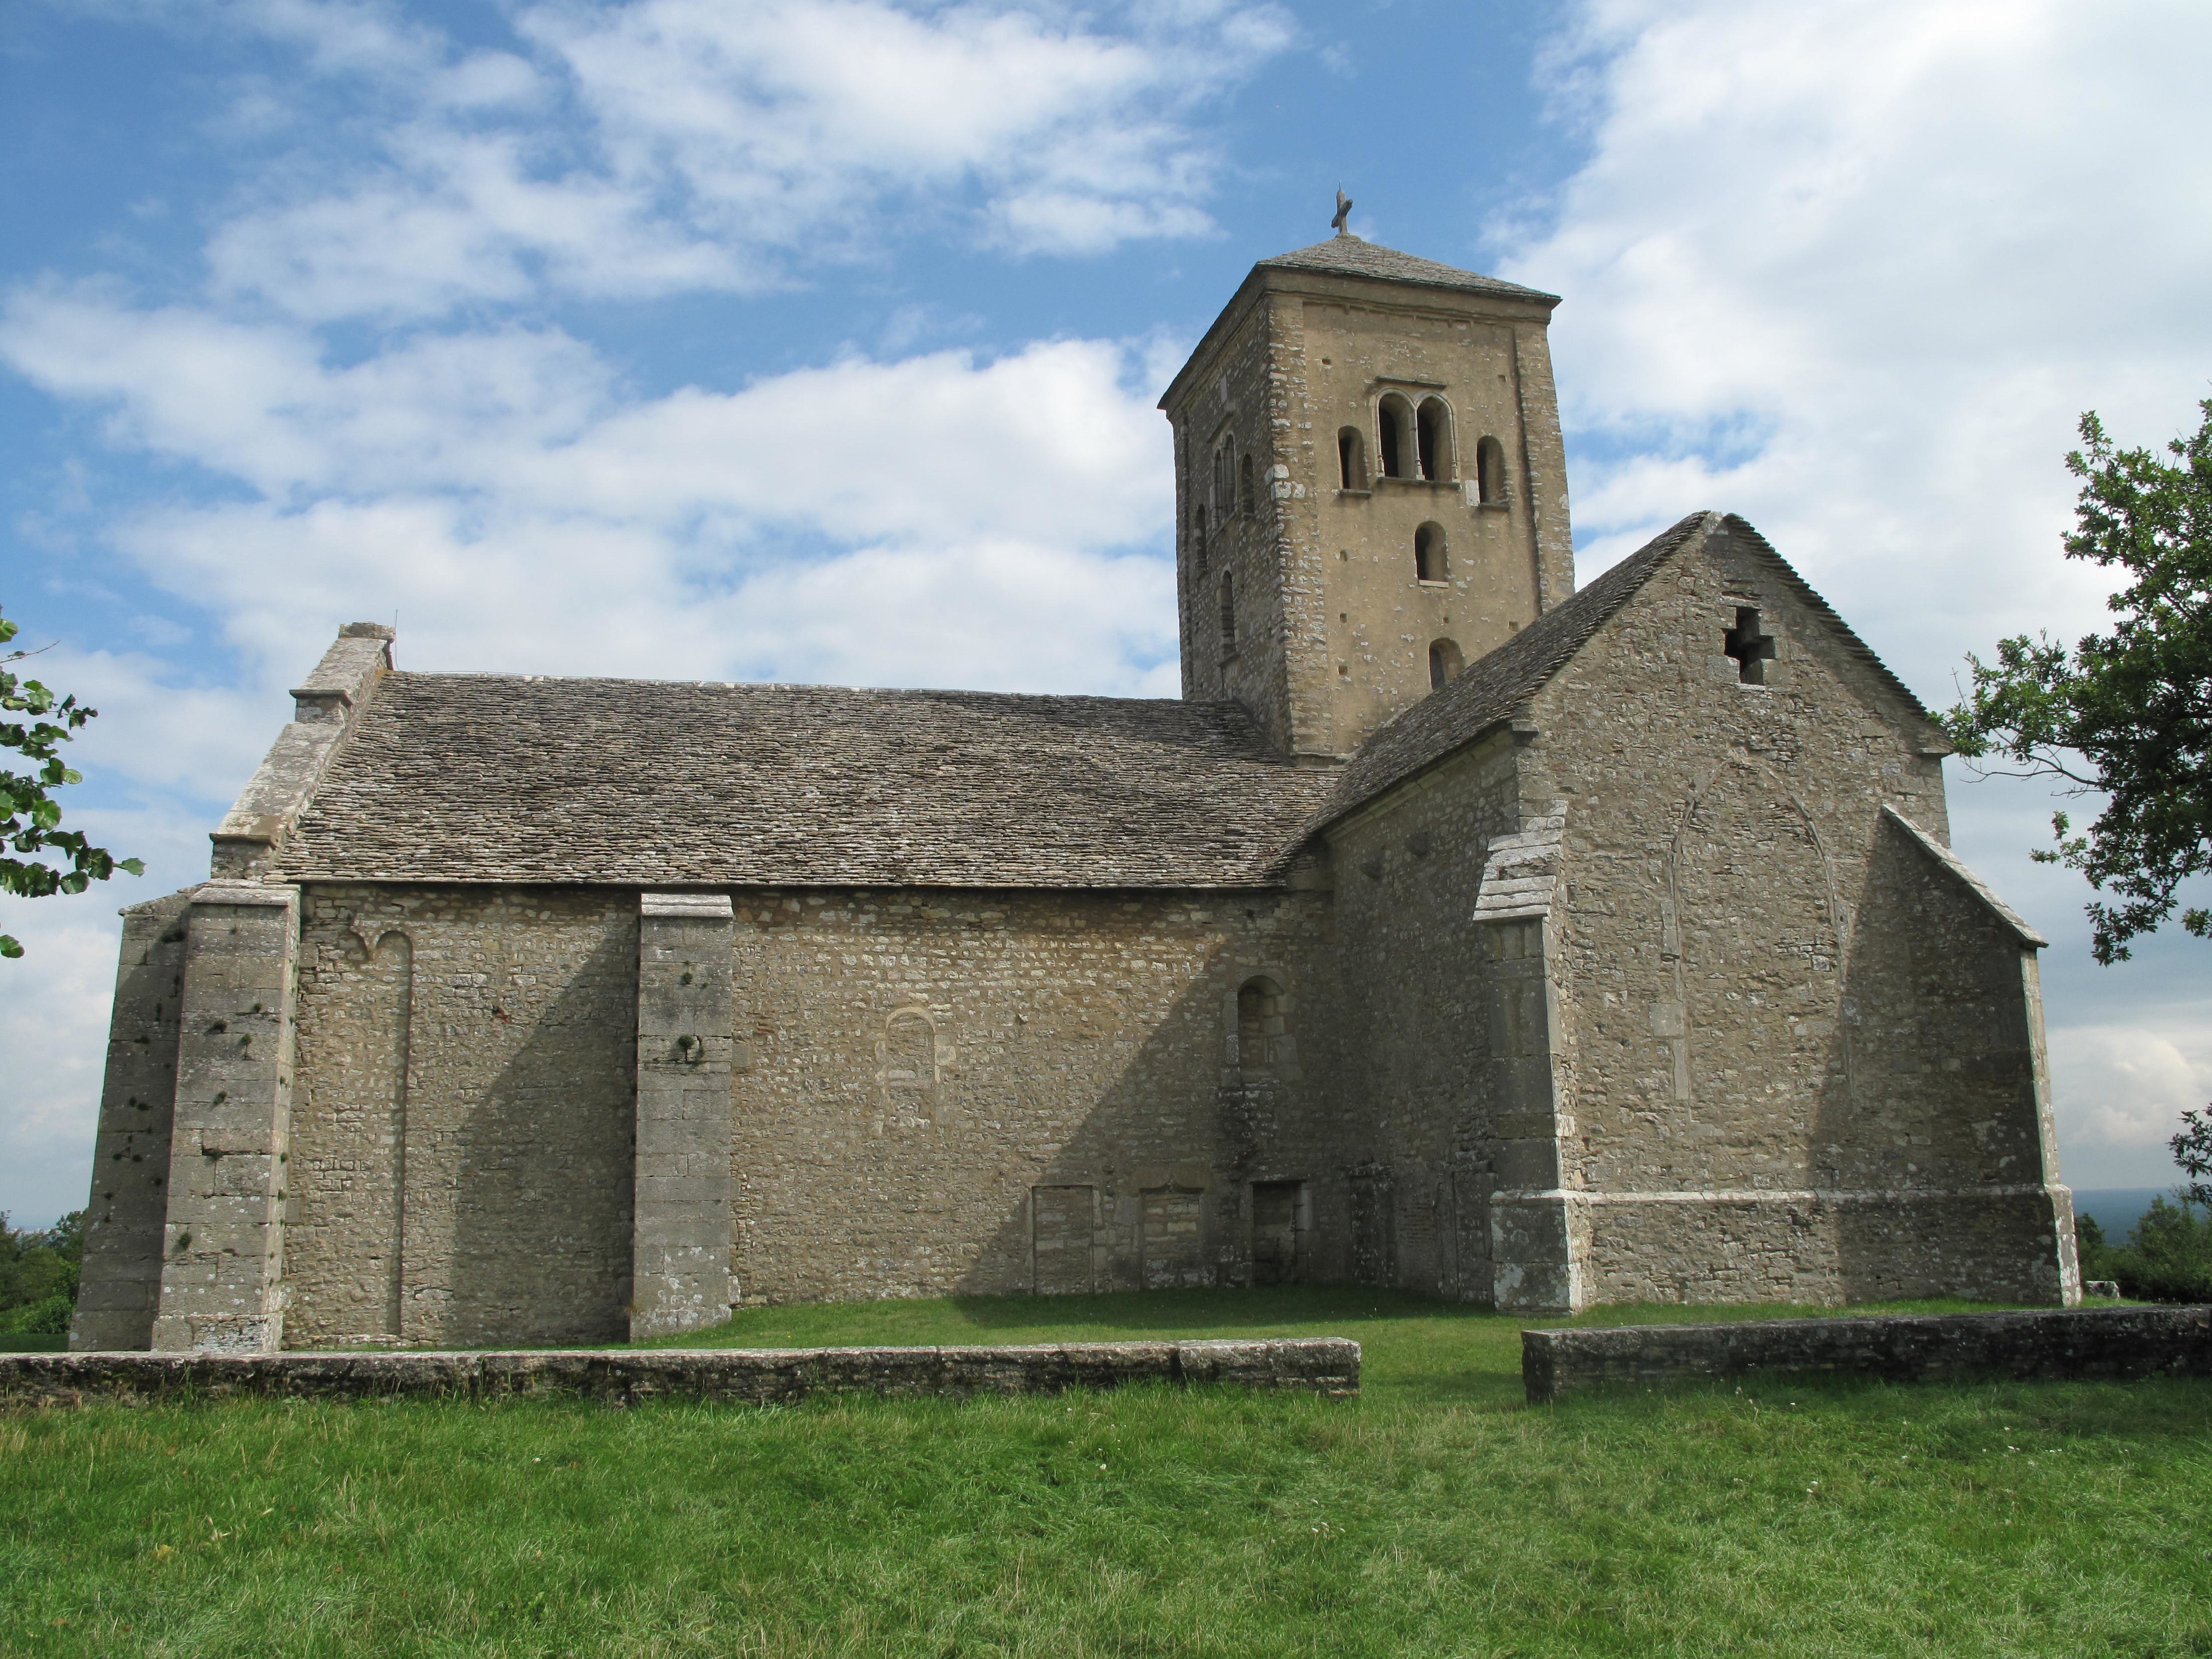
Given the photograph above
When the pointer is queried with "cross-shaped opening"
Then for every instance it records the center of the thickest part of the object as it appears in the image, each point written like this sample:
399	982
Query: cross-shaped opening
1752	649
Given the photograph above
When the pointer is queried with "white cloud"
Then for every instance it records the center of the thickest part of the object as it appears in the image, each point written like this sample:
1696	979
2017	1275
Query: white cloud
935	520
2120	1091
1866	264
668	146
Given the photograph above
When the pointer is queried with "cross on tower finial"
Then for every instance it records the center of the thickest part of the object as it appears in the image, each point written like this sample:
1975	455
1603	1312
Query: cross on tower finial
1750	645
1343	220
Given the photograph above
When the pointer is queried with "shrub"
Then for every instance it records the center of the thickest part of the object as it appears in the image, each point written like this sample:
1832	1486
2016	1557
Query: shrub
2167	1258
39	1274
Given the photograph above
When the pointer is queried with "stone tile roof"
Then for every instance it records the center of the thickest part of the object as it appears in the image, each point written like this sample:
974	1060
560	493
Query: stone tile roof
1981	890
1492	690
1522	871
451	777
1350	256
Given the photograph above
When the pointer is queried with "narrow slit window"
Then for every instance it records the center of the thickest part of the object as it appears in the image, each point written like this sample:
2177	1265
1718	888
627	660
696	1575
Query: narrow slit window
1490	470
1228	613
1431	561
1351	460
1444	664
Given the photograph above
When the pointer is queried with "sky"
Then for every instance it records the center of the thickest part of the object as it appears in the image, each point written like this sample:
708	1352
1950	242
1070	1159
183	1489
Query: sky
819	340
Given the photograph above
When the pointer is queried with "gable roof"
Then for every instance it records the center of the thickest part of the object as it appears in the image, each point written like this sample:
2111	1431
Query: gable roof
1490	691
1353	256
464	777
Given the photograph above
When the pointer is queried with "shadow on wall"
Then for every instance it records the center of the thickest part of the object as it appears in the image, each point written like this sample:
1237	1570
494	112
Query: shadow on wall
1155	1187
532	1243
1937	1091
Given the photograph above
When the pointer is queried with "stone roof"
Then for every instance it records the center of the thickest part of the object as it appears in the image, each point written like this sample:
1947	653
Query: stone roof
455	777
1951	862
1352	256
1494	688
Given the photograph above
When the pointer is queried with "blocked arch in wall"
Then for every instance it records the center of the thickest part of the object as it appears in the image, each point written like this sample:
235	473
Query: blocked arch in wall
1262	1031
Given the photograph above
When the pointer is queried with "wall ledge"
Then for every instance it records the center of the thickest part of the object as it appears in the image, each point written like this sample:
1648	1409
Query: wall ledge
2110	1343
1323	1366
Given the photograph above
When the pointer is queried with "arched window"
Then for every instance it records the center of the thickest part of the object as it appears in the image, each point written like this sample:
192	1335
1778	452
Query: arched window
1228	613
1435	430
1444	664
1431	562
1259	1026
1244	502
1224	484
1351	458
1490	470
1397	437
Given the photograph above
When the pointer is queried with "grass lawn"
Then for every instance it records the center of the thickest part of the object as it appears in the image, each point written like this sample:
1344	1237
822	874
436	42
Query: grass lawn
1434	1516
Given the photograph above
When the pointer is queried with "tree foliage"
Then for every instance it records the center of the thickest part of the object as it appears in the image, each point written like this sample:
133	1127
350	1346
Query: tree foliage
41	857
2192	1151
2127	714
39	1270
2166	1258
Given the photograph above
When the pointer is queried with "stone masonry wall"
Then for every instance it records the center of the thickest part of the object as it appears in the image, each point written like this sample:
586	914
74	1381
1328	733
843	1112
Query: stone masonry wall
121	1287
461	1148
1802	1063
1236	409
1416	1038
990	1092
931	1091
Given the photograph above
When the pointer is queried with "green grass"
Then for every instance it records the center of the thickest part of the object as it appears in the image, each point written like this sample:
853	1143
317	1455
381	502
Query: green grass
1434	1516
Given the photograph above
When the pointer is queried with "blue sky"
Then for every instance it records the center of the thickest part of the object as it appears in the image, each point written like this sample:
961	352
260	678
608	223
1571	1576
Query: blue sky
819	340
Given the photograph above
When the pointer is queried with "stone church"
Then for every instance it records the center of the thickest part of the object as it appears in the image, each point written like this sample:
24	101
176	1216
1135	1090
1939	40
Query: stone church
1457	930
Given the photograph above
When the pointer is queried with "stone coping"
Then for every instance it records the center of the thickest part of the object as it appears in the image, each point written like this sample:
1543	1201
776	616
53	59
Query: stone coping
1322	1365
2053	1345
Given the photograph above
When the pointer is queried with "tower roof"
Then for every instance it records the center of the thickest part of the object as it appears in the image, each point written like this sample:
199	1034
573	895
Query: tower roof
1350	256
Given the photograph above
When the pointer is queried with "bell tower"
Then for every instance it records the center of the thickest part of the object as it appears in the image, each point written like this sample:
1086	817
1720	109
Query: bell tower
1370	491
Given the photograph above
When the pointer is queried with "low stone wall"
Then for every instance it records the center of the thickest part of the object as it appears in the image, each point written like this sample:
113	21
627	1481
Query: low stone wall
1323	1366
2101	1342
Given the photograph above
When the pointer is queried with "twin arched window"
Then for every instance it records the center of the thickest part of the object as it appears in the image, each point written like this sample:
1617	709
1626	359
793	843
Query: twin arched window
1416	443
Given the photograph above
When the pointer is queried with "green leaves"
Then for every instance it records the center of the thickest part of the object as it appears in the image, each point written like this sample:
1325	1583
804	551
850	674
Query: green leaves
2127	713
53	860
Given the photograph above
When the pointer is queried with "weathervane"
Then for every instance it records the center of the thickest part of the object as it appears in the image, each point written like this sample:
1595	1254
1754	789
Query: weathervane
1343	220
